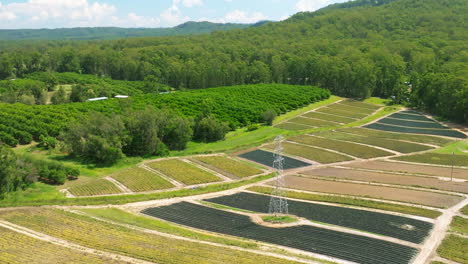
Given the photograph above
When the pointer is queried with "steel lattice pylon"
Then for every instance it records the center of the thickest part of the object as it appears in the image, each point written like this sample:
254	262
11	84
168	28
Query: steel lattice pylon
278	203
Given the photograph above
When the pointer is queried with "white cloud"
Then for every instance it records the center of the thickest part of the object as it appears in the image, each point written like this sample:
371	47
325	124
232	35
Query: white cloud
312	5
189	3
172	16
238	16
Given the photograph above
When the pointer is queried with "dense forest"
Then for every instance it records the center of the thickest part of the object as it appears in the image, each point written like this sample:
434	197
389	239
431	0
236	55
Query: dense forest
86	33
411	50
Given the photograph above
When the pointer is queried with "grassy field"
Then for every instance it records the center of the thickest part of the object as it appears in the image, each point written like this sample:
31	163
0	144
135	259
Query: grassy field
311	153
183	172
400	146
313	122
95	187
293	126
437	158
398	136
122	217
458	147
229	166
83	230
334	111
352	149
140	180
464	210
371	104
16	248
353	202
303	110
454	248
352	108
460	225
328	117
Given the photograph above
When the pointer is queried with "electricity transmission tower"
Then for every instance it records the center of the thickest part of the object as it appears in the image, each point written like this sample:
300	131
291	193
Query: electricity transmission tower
278	203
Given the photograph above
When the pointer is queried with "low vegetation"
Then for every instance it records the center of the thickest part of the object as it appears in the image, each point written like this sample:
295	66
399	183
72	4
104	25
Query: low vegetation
454	248
95	187
312	122
411	210
311	153
183	172
436	158
140	180
229	165
411	130
460	225
282	219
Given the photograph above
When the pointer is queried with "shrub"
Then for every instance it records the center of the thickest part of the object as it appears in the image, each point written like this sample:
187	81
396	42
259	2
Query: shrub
268	116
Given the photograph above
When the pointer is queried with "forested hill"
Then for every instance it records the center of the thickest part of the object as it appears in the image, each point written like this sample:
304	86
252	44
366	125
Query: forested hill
412	50
96	33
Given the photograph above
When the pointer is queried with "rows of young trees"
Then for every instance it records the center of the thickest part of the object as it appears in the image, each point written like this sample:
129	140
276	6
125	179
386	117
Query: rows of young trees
235	106
393	49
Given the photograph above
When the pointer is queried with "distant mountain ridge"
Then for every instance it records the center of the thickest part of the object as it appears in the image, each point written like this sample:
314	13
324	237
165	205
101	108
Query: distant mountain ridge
97	33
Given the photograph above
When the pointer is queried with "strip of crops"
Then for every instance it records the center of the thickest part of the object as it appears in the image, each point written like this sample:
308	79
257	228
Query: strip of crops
417	124
411	116
437	158
454	248
398	136
331	110
438	132
183	172
360	104
352	149
328	117
293	126
96	234
312	122
229	166
384	224
352	109
267	158
140	180
96	187
17	248
311	153
313	239
400	146
237	105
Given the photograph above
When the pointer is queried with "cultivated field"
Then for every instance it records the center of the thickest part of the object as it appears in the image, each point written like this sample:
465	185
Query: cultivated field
410	168
372	191
346	246
311	153
121	240
378	223
228	166
16	248
388	178
437	158
336	114
140	180
95	187
183	172
267	158
355	150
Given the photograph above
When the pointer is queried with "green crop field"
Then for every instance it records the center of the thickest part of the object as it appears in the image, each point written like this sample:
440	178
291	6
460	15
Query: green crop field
400	146
16	248
352	109
460	225
311	153
293	126
140	180
436	158
229	166
96	234
398	136
352	149
360	104
183	172
328	117
411	123
353	202
313	122
411	130
331	110
454	248
95	187
464	210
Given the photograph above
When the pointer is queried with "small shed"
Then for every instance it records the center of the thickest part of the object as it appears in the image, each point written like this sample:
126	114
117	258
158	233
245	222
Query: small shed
97	99
121	96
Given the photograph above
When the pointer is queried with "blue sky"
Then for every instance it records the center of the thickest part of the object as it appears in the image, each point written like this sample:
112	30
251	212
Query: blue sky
145	13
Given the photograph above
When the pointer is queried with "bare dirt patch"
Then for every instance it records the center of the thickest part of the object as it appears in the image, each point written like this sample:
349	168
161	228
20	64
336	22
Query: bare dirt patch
410	168
380	192
398	179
